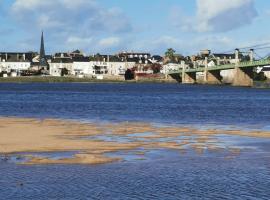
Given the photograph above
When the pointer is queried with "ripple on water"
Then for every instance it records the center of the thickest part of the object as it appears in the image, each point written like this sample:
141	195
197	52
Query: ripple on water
163	174
166	175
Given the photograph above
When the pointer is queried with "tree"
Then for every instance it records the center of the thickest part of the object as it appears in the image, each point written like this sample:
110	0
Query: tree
64	72
156	68
170	53
129	75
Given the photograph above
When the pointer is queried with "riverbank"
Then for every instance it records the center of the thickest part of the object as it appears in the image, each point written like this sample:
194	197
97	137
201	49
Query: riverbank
51	79
262	84
92	142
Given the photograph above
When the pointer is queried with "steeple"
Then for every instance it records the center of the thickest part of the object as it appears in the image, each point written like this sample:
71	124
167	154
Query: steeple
42	55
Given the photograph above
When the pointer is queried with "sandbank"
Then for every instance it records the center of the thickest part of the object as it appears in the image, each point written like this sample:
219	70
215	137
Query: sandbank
25	135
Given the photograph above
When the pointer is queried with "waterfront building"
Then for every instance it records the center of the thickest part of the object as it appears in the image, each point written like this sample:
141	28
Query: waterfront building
265	70
14	63
81	66
109	66
118	66
61	64
170	67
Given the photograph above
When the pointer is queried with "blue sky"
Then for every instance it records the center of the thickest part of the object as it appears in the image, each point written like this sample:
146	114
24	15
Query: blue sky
110	26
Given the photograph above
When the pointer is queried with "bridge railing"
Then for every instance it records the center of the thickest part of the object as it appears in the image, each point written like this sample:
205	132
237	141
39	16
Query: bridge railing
255	63
227	66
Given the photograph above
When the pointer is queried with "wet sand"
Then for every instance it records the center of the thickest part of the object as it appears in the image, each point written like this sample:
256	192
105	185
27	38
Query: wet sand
18	135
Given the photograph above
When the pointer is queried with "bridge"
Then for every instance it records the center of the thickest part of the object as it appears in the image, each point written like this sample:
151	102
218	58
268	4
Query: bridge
243	71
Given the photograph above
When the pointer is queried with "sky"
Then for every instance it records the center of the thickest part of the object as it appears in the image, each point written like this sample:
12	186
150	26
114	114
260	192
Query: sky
111	26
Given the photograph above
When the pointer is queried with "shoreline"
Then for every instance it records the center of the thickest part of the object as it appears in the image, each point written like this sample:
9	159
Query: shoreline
51	79
93	141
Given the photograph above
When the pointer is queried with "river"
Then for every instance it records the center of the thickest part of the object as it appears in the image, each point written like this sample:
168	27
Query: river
163	174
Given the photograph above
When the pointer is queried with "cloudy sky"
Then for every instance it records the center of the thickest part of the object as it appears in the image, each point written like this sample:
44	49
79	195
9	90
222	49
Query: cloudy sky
109	26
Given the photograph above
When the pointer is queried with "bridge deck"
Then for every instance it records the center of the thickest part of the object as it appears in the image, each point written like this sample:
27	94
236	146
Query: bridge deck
257	63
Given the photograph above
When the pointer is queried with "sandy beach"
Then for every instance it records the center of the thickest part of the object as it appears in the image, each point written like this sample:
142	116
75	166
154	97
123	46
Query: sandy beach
89	140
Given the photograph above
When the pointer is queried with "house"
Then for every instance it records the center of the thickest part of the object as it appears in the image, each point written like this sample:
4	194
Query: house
61	64
82	67
111	65
223	59
118	66
15	62
35	64
170	67
99	64
266	71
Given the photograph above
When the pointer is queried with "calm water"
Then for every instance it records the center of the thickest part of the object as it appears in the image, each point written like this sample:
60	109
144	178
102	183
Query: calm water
161	103
164	174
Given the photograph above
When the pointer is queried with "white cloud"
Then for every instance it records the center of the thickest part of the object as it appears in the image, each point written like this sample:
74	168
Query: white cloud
167	42
75	42
69	23
221	15
109	42
216	16
69	15
180	19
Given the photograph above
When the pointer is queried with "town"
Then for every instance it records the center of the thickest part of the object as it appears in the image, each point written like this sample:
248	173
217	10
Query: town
125	65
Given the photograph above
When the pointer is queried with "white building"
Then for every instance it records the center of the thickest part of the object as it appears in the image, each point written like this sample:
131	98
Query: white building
82	67
119	68
16	66
99	67
61	62
96	66
14	62
266	71
170	67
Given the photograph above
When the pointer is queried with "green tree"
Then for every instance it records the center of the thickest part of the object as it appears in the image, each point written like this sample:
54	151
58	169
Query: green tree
170	53
64	72
156	68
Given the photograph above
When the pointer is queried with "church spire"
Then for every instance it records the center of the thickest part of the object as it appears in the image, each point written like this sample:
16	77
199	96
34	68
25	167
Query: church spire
42	55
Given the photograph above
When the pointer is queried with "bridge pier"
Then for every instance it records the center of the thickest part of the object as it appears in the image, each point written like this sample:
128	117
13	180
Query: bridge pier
188	77
243	76
212	77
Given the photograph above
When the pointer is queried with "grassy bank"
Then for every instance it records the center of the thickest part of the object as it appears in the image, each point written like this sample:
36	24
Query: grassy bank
51	79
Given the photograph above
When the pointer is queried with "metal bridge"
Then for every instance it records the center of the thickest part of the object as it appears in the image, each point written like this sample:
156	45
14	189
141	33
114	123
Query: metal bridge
257	63
243	70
